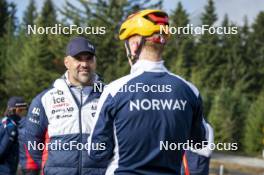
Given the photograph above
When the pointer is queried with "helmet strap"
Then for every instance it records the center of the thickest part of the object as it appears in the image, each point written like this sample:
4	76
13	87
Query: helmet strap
134	58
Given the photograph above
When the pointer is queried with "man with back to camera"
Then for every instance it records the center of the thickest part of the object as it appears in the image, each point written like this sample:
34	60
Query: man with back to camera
165	109
9	126
62	115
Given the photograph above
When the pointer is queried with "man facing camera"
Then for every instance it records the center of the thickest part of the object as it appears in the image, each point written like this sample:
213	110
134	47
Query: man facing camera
60	117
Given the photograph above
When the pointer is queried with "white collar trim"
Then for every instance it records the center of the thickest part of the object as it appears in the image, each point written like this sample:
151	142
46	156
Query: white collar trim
148	66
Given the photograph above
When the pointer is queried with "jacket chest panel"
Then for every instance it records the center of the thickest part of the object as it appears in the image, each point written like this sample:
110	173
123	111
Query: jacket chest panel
63	115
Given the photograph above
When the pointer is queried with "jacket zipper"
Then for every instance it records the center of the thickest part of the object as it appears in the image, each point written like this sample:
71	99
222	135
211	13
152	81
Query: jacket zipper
80	126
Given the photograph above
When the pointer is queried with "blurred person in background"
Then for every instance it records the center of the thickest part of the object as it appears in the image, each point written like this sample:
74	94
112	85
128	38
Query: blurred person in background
9	126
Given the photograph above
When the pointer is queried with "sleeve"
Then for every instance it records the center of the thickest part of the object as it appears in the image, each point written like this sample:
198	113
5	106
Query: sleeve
102	134
202	132
198	131
8	133
197	164
35	130
206	151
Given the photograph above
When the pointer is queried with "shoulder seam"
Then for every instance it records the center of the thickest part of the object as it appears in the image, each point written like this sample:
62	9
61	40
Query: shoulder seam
127	78
189	84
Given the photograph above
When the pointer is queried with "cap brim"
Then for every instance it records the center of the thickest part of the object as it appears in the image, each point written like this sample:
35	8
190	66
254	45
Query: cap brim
82	51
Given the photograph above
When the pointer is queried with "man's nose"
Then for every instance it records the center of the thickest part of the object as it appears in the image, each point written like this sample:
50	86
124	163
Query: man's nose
84	63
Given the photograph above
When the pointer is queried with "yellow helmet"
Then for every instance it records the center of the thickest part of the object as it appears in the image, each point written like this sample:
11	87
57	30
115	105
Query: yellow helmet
144	23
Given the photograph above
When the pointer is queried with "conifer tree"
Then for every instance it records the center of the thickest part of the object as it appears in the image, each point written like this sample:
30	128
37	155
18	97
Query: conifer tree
205	73
178	52
30	15
254	131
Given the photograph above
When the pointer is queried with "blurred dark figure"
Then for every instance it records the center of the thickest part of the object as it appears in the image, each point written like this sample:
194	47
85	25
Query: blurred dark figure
9	125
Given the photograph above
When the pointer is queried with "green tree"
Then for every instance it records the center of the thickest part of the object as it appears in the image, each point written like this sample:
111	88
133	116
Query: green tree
34	69
26	76
209	17
253	140
231	56
180	48
207	53
178	18
229	110
205	72
184	59
48	18
30	15
256	57
220	116
3	16
244	66
7	40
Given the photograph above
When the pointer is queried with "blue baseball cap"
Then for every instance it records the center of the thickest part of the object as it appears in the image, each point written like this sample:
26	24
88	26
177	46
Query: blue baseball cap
16	101
78	45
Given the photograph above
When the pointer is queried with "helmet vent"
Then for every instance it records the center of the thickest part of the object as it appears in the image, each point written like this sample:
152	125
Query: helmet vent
122	31
158	18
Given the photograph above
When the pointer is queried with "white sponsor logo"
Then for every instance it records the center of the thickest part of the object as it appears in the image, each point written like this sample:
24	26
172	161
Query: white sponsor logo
34	120
36	111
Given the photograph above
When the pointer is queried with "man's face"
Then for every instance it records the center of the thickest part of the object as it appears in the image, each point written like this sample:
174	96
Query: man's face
21	111
81	68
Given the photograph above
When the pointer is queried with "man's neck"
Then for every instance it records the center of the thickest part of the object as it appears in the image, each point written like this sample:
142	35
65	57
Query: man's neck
151	56
77	84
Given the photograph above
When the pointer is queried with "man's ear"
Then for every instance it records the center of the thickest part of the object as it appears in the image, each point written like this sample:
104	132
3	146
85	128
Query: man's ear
94	63
66	62
134	47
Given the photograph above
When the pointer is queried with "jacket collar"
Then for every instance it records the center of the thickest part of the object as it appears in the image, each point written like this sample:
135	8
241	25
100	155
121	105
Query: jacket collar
64	85
148	66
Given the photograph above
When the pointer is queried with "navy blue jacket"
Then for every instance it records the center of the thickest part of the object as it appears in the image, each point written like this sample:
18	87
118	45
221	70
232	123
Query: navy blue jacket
21	141
139	115
8	145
